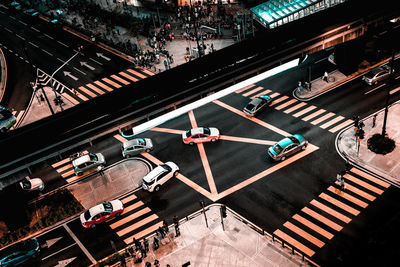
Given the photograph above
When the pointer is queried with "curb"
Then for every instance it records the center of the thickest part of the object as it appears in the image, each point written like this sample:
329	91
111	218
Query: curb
3	78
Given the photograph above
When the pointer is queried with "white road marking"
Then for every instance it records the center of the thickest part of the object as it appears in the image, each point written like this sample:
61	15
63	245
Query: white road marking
62	44
20	37
34	45
43	259
22	22
12	17
7	29
80	71
102	64
320	60
376	88
47	52
394	90
79	244
61	60
49	36
22	58
33	28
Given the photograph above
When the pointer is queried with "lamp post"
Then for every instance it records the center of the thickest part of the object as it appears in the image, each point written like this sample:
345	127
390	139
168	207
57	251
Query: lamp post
388	95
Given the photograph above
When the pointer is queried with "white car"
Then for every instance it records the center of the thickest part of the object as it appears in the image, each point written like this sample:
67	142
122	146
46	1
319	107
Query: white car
159	175
88	162
101	213
29	184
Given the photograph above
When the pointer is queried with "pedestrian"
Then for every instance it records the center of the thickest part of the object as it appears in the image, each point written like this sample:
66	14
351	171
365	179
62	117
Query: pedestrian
148	264
347	165
342	186
143	251
176	222
299	87
165	226
138	257
156	263
374	120
325	77
161	231
146	244
74	91
100	170
339	177
155	241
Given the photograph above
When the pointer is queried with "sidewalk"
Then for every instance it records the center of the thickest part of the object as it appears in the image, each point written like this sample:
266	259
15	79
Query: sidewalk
386	166
238	245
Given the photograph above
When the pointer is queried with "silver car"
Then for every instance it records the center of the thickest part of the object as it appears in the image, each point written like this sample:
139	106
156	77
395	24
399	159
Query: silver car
256	105
88	162
136	146
377	74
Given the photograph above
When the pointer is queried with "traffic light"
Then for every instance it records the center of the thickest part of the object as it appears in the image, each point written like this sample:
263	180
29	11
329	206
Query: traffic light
361	134
356	121
223	211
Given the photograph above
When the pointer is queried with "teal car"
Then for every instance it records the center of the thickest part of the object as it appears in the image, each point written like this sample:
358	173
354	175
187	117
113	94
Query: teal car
7	119
19	253
256	105
287	147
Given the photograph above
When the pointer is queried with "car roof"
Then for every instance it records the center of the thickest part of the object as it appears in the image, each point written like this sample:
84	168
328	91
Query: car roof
96	209
82	159
256	101
132	142
197	131
155	172
285	142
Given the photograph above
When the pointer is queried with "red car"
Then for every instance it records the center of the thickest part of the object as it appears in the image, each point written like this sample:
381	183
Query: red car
101	213
200	135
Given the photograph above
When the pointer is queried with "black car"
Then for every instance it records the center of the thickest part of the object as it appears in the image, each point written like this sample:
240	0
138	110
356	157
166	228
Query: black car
256	105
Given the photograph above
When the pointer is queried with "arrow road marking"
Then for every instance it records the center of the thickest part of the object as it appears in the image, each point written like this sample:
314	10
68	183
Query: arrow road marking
51	242
101	55
67	73
65	262
87	65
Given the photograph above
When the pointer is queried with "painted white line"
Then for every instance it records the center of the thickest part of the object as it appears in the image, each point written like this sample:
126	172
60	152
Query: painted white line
79	244
10	51
376	88
43	259
47	52
320	60
398	77
80	71
20	37
62	44
7	29
394	90
33	28
59	59
34	45
102	64
22	58
12	17
382	33
22	22
49	36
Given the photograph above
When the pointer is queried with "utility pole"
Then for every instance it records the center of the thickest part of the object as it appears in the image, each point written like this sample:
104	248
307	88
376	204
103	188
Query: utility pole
204	212
388	95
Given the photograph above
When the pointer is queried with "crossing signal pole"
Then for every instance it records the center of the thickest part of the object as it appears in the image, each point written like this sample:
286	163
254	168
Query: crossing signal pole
223	215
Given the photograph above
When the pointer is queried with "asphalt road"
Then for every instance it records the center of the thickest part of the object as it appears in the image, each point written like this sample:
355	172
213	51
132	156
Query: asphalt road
269	201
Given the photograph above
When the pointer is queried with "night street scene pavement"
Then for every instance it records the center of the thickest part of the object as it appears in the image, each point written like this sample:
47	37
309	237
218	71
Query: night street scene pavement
199	133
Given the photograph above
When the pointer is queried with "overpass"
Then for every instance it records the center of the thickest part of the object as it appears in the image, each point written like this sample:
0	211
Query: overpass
133	105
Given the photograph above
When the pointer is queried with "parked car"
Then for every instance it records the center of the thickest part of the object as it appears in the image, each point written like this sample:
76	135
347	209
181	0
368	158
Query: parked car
377	74
88	162
200	135
19	253
287	147
29	184
256	105
101	213
136	146
159	176
7	119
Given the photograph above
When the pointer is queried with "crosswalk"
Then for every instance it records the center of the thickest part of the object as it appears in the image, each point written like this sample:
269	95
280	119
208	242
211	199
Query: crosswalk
137	220
18	115
326	215
304	111
91	90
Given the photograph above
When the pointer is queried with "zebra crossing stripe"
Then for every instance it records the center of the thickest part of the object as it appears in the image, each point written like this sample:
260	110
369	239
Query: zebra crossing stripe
140	223
304	234
68	173
115	77
309	252
81	96
20	115
61	162
339	204
129	198
370	177
315	114
260	94
304	111
130	217
143	233
286	104
363	184
133	207
137	74
63	168
253	91
111	83
70	98
14	112
274	95
313	226
358	191
322	219
278	100
331	122
102	85
348	197
289	110
323	118
341	126
244	88
94	88
120	138
330	211
86	91
148	72
128	76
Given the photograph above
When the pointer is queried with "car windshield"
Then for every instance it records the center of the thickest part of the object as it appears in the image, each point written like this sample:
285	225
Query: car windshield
166	167
5	114
250	106
277	148
93	157
294	140
149	183
108	206
87	215
206	131
141	141
188	133
26	184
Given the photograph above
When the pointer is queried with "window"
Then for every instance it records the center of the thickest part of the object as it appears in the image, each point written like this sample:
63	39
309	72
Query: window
206	131
108	206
